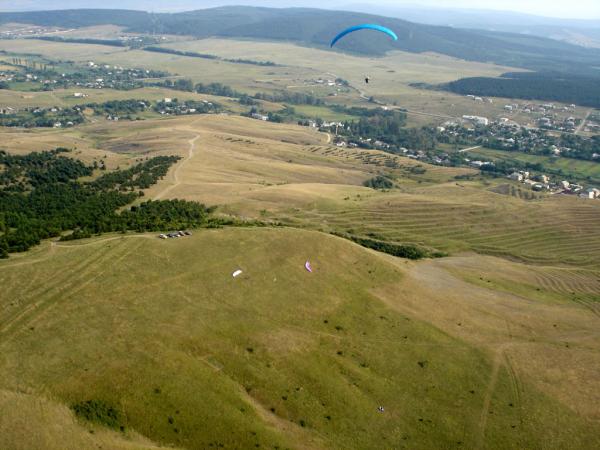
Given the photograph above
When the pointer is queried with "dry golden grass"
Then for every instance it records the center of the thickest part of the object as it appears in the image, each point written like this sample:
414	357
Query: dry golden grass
37	422
549	340
58	50
391	75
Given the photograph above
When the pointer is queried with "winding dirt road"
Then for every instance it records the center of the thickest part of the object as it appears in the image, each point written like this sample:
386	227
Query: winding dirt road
177	181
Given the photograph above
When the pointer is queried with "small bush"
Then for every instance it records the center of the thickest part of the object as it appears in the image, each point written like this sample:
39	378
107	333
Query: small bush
379	182
408	251
99	412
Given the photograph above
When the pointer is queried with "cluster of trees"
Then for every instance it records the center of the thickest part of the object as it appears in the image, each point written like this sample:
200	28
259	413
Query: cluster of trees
357	110
187	107
140	176
388	127
379	182
41	197
408	251
43	118
580	147
547	86
246	100
251	62
294	98
218	89
121	108
531	141
99	412
22	172
507	166
69	75
180	84
222	90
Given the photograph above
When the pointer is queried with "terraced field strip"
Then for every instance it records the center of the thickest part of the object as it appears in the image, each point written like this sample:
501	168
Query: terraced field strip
541	232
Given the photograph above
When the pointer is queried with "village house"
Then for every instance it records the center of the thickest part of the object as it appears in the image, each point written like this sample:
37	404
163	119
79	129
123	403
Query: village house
516	176
260	117
591	193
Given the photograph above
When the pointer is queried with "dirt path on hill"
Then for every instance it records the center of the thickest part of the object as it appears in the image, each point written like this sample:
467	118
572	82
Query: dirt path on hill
524	338
583	122
166	190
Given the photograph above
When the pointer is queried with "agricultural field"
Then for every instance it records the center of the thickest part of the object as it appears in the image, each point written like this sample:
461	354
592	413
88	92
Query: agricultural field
298	68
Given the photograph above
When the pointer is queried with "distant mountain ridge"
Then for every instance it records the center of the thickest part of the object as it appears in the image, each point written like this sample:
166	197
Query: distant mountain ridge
315	27
583	32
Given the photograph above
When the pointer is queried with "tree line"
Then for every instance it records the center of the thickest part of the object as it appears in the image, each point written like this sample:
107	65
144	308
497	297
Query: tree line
189	54
580	90
222	90
409	251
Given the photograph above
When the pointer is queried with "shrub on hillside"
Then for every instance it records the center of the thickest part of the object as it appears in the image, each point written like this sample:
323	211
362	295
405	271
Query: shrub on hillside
99	412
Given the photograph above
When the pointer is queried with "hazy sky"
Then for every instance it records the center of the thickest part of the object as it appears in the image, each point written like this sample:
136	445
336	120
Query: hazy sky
582	9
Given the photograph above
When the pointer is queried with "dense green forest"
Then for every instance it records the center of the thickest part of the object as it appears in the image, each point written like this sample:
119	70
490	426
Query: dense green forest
547	86
41	197
316	27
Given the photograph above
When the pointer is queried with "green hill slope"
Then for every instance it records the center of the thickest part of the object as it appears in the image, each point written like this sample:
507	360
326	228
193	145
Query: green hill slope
156	337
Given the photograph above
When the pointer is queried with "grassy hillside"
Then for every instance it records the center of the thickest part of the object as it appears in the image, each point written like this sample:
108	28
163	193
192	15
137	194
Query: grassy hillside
317	28
129	341
288	173
188	356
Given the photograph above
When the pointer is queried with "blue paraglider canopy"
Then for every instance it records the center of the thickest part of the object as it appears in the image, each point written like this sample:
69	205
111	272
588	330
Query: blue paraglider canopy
364	27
